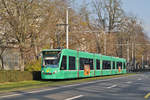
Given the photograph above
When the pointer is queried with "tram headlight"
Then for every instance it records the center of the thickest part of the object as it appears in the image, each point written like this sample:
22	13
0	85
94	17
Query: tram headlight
54	72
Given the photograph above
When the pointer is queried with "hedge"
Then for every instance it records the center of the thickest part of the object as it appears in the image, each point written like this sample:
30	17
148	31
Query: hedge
15	76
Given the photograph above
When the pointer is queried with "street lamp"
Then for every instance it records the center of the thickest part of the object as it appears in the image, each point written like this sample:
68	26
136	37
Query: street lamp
67	27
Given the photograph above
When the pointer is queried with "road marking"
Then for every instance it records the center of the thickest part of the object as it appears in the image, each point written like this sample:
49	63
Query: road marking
74	97
11	95
111	86
128	82
44	90
147	95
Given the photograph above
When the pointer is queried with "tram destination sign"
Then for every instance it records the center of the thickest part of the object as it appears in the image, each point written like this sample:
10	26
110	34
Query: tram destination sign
50	52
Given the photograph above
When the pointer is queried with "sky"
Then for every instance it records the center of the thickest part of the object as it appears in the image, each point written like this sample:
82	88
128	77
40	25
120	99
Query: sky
139	8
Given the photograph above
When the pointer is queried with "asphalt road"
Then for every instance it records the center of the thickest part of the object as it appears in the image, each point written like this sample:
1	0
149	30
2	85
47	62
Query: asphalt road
134	87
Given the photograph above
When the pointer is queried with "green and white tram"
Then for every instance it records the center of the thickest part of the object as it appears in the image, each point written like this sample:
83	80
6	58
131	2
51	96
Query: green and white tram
69	64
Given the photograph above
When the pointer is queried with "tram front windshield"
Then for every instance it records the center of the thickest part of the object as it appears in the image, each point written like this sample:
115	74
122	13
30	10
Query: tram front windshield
51	59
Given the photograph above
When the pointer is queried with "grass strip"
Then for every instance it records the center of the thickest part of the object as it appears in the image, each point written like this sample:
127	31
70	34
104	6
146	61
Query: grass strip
26	85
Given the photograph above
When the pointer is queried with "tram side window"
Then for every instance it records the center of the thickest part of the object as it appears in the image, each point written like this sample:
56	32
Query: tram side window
72	63
113	65
91	64
64	63
106	65
124	65
86	61
82	61
97	64
119	64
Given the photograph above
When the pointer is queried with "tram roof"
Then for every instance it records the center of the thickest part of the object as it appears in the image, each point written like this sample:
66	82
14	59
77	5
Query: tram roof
52	50
83	52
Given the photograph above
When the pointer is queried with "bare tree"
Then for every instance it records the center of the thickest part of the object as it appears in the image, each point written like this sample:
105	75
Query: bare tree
109	14
19	17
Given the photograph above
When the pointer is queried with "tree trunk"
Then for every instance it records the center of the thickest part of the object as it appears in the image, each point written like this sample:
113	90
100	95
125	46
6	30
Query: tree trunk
2	63
98	48
34	45
21	60
35	52
1	58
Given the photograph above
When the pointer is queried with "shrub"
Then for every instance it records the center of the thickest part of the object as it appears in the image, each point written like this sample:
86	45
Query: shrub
15	76
33	66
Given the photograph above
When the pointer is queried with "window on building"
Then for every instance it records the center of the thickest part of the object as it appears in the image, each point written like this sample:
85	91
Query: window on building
97	64
72	65
113	64
106	65
64	63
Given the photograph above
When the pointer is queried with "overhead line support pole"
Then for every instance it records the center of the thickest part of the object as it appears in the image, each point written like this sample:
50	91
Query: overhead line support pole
105	48
128	54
